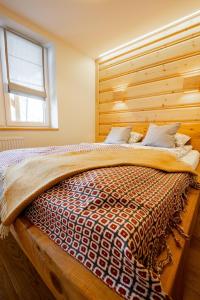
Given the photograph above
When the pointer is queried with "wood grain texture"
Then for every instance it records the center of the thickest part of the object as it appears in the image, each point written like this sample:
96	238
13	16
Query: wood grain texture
7	291
166	115
158	73
187	31
175	100
192	271
151	77
18	279
151	62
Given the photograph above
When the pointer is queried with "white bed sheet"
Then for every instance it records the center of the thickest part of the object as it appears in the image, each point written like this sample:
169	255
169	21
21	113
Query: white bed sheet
192	158
178	151
185	153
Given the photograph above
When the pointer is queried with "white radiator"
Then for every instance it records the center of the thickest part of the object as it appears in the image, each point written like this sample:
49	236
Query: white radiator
7	143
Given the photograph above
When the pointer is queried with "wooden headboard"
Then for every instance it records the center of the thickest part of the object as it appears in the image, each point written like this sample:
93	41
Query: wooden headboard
145	83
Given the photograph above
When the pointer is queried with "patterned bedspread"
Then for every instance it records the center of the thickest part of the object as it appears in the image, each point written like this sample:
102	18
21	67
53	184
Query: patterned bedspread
112	220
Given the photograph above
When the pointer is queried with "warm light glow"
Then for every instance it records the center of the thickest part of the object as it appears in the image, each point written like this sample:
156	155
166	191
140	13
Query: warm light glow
191	91
140	38
120	88
191	74
190	96
120	105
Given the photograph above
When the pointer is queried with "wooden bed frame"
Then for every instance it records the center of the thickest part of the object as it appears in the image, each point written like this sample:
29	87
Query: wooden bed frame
68	279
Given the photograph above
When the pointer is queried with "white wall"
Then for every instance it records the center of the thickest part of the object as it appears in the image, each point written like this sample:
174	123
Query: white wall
75	85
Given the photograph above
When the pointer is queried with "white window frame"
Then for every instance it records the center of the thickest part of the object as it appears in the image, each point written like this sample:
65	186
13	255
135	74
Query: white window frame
2	100
5	113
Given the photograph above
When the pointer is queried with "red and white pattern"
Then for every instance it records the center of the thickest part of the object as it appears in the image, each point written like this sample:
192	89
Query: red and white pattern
111	220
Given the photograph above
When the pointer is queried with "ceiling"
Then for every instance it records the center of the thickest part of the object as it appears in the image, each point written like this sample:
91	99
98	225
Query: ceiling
96	26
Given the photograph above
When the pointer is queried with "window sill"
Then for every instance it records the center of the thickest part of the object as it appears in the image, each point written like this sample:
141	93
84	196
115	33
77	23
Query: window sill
29	128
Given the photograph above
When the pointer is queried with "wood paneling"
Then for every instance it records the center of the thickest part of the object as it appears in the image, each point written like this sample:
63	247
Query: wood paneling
162	72
157	102
151	45
178	52
151	77
166	115
168	86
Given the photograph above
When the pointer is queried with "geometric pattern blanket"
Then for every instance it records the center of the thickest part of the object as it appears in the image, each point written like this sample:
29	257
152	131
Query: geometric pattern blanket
112	220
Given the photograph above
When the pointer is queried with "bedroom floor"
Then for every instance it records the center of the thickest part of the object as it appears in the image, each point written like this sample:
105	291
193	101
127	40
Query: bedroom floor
192	272
18	278
20	281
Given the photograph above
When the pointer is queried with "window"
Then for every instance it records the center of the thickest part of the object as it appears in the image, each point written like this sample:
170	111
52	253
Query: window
24	97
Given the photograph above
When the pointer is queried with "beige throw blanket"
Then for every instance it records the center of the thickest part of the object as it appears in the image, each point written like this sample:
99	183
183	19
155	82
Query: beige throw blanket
26	180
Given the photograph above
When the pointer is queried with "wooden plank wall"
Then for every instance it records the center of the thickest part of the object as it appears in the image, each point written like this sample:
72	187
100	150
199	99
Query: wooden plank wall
151	77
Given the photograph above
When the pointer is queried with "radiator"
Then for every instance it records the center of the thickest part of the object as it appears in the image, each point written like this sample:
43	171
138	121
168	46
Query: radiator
7	143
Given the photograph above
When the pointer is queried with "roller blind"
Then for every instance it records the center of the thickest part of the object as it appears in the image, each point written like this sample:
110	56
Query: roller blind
25	65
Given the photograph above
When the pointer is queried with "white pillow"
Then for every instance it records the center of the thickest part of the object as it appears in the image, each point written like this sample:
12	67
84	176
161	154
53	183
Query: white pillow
135	137
161	136
118	135
181	139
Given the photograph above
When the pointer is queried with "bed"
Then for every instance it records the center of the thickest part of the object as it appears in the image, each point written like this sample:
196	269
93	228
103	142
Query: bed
65	276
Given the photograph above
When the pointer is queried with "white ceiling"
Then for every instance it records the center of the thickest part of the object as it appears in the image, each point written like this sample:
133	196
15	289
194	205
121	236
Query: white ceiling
96	26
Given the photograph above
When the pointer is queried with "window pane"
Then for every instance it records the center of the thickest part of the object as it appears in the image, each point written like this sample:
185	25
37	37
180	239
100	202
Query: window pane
25	62
26	109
